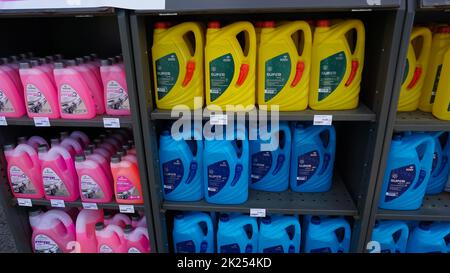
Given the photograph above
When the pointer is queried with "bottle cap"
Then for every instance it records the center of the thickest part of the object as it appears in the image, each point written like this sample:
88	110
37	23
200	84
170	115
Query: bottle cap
214	24
35	212
116	159
323	23
92	146
267	220
425	225
135	217
54	141
21	140
42	148
113	61
105	62
88	151
122	152
87	58
58	57
128	229
99	226
268	24
93	56
126	147
42	60
179	216
80	158
71	62
224	217
259	24
59	65
315	220
165	133
8	147
443	29
34	63
161	25
64	134
79	60
24	65
107	214
397	137
13	58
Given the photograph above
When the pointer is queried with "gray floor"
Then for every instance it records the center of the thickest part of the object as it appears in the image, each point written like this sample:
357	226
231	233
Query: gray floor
6	241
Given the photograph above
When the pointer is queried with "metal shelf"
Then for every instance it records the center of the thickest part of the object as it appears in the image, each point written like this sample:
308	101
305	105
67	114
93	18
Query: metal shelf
419	121
78	204
434	208
434	4
125	121
337	201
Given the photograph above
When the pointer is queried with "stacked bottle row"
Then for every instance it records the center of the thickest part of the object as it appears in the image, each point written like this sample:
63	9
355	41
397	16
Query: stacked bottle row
195	232
73	167
290	64
51	87
88	231
221	170
411	237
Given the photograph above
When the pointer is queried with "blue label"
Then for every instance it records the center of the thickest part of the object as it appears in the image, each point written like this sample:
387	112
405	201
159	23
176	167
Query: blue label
186	247
321	250
218	174
261	164
231	248
172	174
274	249
400	180
307	165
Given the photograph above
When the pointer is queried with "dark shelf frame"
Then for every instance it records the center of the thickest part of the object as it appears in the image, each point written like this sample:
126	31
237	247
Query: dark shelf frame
125	122
78	204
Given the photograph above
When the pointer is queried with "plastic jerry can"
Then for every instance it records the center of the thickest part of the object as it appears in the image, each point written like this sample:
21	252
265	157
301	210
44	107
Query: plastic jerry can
181	168
72	146
439	46
269	169
58	174
326	234
229	67
85	229
12	69
127	183
138	221
237	233
391	235
193	232
178	64
110	239
36	141
430	237
102	161
39	92
441	166
24	171
81	137
119	219
93	83
336	70
115	89
441	106
225	170
313	153
415	69
12	102
94	184
283	74
407	172
137	239
279	234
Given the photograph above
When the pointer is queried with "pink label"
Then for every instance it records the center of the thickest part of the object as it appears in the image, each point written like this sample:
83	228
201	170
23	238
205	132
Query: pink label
21	183
90	189
43	244
53	185
36	101
116	96
71	102
5	103
126	189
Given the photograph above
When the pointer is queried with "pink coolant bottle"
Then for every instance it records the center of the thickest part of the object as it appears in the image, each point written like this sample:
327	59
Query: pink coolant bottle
128	157
53	232
110	239
137	239
24	171
12	103
58	174
138	221
101	160
85	230
115	89
47	67
72	145
94	66
87	71
94	184
81	137
36	141
76	100
39	92
12	69
120	220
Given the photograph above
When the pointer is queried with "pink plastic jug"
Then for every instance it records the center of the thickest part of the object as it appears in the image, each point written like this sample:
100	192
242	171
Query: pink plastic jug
94	184
94	66
58	174
24	171
115	89
94	85
85	230
36	141
120	220
72	145
12	69
110	239
12	103
81	137
127	183
100	151
137	239
34	216
101	160
138	221
45	67
40	94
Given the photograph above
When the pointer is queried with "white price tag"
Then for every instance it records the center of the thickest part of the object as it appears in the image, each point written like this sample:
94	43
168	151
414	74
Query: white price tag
323	119
257	212
126	208
57	203
111	122
3	121
218	119
24	202
91	206
41	122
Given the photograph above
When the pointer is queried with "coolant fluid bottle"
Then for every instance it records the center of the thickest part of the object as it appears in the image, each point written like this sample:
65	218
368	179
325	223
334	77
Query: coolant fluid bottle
115	89
110	239
237	233
85	229
127	183
279	234
193	232
94	184
136	239
430	237
326	234
391	235
12	102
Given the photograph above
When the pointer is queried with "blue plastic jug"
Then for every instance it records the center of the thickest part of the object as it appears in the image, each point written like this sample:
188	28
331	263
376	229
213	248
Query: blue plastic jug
325	234
269	170
313	152
429	237
237	233
391	235
279	234
407	172
193	232
441	166
225	170
181	168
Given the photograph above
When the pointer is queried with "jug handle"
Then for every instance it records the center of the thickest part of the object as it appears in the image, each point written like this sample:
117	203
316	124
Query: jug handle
429	157
424	53
28	151
250	46
307	45
359	48
191	65
207	220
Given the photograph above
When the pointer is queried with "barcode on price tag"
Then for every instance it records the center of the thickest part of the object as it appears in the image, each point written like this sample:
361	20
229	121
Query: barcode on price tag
57	203
257	212
126	208
24	202
3	121
323	119
92	206
218	119
41	122
111	122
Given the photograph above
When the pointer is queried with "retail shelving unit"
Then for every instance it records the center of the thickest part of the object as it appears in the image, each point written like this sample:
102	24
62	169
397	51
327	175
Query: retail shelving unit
360	132
72	32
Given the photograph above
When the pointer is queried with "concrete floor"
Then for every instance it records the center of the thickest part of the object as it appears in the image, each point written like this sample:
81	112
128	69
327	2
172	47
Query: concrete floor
6	241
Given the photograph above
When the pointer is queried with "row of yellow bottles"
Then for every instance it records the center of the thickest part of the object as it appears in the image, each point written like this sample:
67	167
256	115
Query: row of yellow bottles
325	75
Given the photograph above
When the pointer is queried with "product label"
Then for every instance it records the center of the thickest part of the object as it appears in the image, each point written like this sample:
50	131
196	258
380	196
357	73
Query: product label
105	249
274	249
5	103
167	70
221	71
90	189
400	180
71	102
172	174
436	83
332	71
21	183
307	165
218	174
53	185
43	244
186	247
116	96
261	164
133	250
231	248
405	74
126	190
36	101
277	72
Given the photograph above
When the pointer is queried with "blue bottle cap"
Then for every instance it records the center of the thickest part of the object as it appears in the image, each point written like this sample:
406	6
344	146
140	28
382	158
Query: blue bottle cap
179	216
377	223
224	218
299	126
397	137
165	133
315	220
425	225
267	220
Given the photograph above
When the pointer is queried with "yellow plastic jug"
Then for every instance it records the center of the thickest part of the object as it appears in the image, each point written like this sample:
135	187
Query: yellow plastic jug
177	64
439	45
336	70
441	106
229	67
415	70
283	75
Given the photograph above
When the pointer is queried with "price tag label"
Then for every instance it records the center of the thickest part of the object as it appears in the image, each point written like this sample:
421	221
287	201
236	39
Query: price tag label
111	122
57	203
323	119
91	206
257	212
24	202
218	119
41	122
3	121
126	208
